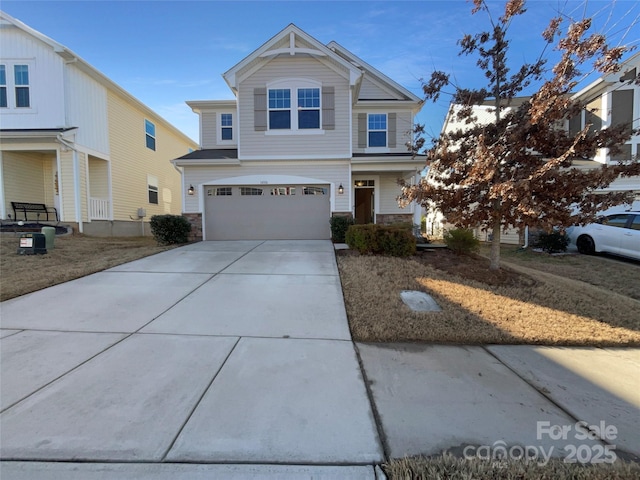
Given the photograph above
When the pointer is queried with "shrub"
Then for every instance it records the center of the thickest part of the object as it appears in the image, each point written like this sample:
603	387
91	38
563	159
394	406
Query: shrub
339	226
397	242
381	239
461	241
362	238
170	229
553	242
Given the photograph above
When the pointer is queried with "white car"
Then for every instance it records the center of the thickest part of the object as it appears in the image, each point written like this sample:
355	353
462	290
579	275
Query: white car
617	233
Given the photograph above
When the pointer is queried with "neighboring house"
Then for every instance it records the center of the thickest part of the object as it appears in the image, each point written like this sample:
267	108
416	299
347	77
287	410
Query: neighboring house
435	222
72	139
610	100
615	100
313	132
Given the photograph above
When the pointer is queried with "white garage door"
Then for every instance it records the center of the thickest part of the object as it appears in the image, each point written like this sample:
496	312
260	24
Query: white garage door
273	212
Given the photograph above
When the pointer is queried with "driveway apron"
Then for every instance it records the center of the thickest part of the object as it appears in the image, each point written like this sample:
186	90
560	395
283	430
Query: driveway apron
217	352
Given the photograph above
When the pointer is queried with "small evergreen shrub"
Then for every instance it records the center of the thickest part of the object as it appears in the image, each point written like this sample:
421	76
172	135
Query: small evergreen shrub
461	241
339	226
170	229
553	242
397	241
362	238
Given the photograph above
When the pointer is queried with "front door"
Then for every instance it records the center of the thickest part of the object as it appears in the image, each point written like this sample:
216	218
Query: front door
364	205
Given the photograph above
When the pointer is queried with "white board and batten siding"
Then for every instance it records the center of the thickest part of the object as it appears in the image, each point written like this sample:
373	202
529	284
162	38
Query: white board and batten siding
87	109
46	77
328	143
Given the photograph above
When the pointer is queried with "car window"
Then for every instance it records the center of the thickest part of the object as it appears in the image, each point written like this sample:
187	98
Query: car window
636	223
619	220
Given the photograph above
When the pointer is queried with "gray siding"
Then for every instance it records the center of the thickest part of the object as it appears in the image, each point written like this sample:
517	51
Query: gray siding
209	126
370	91
333	142
333	172
389	191
398	137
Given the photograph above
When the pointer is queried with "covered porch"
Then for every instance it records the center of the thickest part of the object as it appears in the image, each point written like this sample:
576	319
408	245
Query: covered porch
44	168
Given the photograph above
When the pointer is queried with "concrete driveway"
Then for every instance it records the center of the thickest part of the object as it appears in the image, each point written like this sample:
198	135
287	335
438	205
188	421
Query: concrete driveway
217	352
234	360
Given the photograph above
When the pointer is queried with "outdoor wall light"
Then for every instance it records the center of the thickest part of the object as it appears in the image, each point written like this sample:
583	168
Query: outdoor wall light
340	190
191	191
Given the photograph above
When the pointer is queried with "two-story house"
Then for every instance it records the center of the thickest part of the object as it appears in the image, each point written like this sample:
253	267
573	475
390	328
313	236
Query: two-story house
613	100
609	100
313	131
73	140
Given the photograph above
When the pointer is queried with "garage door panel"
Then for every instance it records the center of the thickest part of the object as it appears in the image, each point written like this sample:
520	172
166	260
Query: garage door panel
267	217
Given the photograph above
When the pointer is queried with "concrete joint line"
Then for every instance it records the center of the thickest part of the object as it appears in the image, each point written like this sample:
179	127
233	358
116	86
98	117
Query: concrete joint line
210	277
545	395
382	437
197	403
68	371
242	256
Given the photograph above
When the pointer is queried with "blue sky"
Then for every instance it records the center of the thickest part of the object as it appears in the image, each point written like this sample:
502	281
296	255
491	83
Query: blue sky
167	52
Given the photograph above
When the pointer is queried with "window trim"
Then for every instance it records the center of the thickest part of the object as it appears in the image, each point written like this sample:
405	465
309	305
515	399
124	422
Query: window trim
219	128
148	135
22	86
11	86
385	130
153	188
3	85
294	85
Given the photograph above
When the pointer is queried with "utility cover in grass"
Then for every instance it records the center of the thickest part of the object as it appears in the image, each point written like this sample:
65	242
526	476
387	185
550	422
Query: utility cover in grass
419	301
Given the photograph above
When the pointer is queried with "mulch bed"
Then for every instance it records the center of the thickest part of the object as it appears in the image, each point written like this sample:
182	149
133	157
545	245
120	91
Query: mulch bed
31	228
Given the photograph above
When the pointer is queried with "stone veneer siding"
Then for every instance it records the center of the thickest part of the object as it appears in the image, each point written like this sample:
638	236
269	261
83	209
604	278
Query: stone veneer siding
390	218
195	219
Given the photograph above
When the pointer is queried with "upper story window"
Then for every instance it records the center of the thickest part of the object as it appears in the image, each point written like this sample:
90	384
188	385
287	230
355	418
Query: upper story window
150	134
377	130
15	85
3	86
305	116
226	126
308	108
21	82
279	108
294	106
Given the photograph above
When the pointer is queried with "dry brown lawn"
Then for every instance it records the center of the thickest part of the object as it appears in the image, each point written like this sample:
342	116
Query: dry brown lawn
539	304
74	256
601	271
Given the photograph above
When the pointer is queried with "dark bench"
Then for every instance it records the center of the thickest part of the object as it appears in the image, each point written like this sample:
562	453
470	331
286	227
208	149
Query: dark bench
37	208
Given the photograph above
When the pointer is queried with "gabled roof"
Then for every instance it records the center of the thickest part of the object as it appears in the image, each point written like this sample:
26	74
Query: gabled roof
596	87
377	75
274	47
70	56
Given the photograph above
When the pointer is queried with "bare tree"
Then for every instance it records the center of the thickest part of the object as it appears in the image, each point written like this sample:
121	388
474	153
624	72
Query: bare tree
517	169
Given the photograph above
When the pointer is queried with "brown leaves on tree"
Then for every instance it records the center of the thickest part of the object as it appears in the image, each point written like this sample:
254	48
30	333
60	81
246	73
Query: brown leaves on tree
519	169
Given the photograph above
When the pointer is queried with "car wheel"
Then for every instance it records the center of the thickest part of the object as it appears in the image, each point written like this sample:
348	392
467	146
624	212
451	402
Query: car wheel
586	245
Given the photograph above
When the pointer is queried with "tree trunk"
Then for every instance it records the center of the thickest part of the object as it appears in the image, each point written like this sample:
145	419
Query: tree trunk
495	246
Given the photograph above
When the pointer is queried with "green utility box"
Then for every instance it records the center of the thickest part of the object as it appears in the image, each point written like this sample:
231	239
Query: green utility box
32	244
49	236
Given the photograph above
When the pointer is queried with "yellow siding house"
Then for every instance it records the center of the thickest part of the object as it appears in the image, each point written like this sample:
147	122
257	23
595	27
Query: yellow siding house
75	141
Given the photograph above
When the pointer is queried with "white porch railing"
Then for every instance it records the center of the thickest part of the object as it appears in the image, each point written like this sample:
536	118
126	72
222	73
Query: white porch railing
99	209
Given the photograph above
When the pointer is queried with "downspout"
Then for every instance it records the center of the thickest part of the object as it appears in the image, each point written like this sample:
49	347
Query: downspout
76	181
